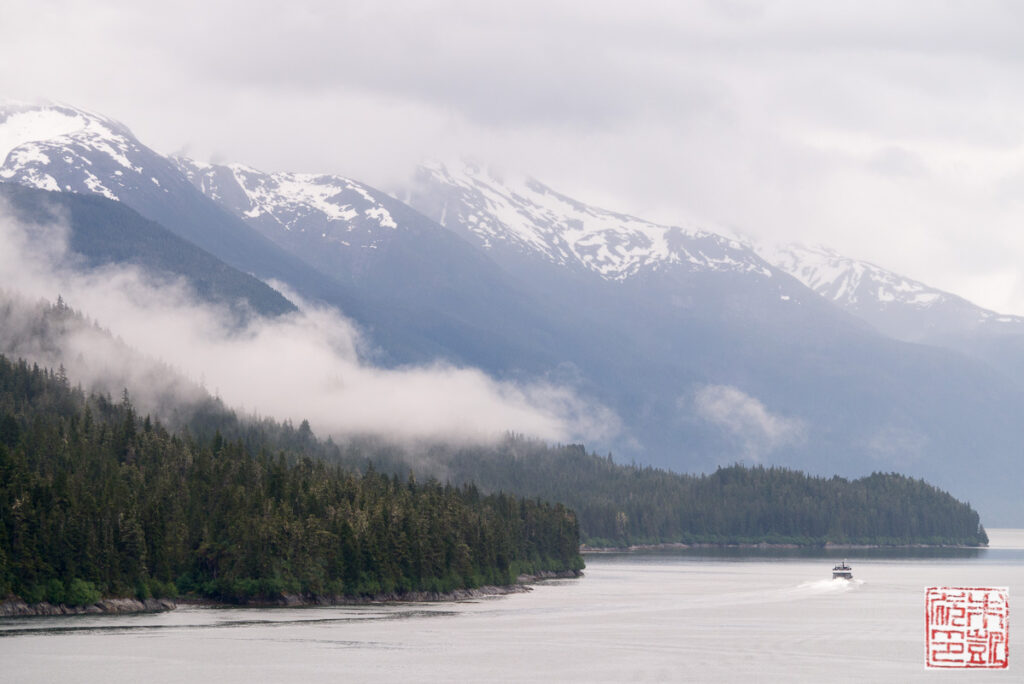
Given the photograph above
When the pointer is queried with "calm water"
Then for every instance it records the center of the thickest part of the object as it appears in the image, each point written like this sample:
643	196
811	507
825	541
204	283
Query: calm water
691	615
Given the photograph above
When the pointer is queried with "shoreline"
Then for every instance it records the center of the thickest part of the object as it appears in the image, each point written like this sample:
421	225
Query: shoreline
17	607
828	546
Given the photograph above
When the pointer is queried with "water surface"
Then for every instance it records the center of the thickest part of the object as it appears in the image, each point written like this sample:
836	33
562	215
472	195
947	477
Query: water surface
699	615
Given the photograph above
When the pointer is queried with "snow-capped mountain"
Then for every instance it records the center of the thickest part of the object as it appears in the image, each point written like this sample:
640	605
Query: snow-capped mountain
896	305
63	148
329	239
706	352
333	208
57	147
522	215
516	217
406	270
849	282
697	308
94	154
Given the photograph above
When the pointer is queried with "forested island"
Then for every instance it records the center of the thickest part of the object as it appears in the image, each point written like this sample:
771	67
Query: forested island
622	505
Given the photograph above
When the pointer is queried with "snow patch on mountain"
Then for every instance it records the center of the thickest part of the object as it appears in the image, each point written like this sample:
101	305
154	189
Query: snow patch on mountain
332	207
861	286
846	281
18	127
56	147
293	194
528	216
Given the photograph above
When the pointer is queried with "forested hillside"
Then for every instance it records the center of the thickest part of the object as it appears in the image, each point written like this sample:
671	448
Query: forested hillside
95	499
620	505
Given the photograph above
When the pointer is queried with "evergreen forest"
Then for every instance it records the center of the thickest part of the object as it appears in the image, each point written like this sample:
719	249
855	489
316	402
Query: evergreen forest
621	505
97	500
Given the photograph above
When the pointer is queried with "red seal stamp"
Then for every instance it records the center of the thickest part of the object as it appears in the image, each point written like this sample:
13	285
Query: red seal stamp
967	627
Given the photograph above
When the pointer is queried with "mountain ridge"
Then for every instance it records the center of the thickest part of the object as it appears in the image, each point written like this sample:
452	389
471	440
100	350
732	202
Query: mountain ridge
103	231
528	215
866	288
706	351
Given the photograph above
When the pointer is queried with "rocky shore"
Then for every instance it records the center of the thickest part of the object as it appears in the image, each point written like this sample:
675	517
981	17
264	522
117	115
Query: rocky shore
16	607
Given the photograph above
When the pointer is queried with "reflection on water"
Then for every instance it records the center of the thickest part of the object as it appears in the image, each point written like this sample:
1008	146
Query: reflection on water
227	618
745	554
1005	545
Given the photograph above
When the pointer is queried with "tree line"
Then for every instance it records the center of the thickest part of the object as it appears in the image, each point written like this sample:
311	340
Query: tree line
619	505
96	499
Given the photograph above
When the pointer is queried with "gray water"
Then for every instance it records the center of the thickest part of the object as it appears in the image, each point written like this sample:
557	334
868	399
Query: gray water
692	615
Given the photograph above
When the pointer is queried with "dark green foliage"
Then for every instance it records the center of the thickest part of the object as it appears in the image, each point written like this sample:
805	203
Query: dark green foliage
620	505
96	500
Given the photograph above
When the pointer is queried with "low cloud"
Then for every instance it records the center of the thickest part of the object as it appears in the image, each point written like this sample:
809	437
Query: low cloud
746	420
304	365
897	447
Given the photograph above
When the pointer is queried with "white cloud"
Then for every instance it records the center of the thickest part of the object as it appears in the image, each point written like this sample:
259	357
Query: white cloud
299	366
746	420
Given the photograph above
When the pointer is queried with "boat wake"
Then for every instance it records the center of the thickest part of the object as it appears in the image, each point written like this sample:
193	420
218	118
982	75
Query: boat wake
829	586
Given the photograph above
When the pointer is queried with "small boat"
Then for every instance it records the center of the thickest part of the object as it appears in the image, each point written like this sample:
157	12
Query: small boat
842	571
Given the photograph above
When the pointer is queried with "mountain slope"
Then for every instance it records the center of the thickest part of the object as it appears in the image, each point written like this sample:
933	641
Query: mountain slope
899	306
524	217
731	358
903	308
412	271
428	314
318	207
707	353
56	147
105	232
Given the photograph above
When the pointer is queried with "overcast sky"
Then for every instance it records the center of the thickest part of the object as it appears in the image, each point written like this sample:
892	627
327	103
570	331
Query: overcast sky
893	132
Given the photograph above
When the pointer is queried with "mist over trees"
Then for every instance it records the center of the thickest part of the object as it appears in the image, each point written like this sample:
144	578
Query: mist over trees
97	499
625	504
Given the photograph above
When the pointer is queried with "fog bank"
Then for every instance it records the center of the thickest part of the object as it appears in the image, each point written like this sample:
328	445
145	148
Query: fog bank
304	365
